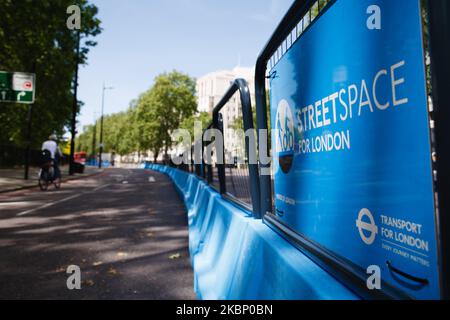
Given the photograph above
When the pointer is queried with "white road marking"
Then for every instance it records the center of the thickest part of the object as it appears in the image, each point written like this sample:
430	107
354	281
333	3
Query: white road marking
48	205
151	179
16	204
100	188
128	175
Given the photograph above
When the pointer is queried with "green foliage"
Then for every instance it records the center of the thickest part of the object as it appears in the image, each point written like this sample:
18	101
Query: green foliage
238	123
119	134
34	38
84	141
161	110
188	124
150	121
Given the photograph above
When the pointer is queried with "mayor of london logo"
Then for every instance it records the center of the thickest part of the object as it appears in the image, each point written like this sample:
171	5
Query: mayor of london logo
284	127
368	230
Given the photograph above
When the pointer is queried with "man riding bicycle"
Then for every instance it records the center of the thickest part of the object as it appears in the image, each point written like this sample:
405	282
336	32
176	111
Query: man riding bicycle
51	146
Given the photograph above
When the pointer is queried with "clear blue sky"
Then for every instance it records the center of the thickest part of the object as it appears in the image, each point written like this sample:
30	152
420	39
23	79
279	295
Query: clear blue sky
143	38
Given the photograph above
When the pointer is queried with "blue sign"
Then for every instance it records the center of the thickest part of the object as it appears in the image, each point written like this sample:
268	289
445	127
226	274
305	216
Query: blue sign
351	137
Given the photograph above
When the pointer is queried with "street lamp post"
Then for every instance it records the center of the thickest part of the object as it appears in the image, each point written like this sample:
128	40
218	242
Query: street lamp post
94	140
101	125
73	128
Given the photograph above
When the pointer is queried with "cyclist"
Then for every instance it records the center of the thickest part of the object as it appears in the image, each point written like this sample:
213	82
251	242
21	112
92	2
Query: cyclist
51	146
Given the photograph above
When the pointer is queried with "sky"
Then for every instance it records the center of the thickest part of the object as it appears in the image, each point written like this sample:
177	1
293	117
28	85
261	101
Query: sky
143	38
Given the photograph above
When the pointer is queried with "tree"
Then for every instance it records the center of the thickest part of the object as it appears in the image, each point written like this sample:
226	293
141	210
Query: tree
120	133
127	141
161	110
84	140
149	121
188	124
238	123
34	38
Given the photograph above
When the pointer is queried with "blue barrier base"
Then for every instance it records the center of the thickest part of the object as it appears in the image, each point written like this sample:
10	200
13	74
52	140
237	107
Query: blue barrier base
236	257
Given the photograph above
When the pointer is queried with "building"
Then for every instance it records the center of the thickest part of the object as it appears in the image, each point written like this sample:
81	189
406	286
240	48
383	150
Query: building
210	90
212	87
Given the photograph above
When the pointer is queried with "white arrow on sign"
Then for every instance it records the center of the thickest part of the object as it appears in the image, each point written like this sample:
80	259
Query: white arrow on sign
4	95
20	95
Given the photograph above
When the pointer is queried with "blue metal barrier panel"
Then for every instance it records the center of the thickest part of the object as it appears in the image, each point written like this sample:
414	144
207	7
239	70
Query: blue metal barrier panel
352	160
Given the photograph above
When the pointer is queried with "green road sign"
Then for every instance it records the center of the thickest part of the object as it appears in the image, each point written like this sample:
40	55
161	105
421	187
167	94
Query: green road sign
17	87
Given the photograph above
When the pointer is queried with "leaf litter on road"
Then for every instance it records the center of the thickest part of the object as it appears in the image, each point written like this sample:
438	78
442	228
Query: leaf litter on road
89	283
112	271
122	255
175	256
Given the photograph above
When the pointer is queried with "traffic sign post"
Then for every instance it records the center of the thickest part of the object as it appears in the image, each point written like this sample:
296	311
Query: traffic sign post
27	150
20	87
17	87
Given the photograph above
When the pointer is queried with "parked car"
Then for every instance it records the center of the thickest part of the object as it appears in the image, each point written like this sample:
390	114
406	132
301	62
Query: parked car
80	161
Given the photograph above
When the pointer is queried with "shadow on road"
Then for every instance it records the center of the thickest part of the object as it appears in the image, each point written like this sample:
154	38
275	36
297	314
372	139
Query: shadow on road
130	240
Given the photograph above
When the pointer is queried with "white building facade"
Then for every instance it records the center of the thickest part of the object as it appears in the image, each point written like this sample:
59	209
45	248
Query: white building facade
210	90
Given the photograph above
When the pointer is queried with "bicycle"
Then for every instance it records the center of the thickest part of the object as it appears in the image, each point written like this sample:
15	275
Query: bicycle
47	177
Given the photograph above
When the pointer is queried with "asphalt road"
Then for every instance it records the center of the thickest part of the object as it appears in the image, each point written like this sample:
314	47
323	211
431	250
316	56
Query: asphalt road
125	229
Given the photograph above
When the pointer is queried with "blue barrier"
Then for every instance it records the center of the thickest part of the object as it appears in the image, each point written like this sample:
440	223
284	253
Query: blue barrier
236	257
94	163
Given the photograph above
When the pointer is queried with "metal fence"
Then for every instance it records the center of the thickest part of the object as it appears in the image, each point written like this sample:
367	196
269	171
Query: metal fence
237	174
11	156
228	169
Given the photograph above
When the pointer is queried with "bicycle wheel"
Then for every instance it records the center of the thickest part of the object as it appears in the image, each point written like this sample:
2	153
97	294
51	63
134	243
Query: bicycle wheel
43	182
57	183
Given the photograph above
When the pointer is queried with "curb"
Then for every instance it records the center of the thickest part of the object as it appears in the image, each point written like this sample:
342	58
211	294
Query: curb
64	180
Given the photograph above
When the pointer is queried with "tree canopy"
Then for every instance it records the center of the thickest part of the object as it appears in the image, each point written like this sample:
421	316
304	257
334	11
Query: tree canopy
149	122
34	38
161	110
188	124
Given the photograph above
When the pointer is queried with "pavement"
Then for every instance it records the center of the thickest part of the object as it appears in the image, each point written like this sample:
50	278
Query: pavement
125	229
12	179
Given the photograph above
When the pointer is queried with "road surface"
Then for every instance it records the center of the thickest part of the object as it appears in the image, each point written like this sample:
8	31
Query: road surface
125	229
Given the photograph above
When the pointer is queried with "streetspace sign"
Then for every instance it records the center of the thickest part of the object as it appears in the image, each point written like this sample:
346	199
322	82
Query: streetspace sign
352	160
17	87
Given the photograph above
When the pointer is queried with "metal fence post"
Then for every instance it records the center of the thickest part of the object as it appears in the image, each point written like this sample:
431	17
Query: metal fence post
241	86
247	116
221	165
439	16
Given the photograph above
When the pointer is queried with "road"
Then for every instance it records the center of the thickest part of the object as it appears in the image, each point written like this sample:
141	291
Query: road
125	229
